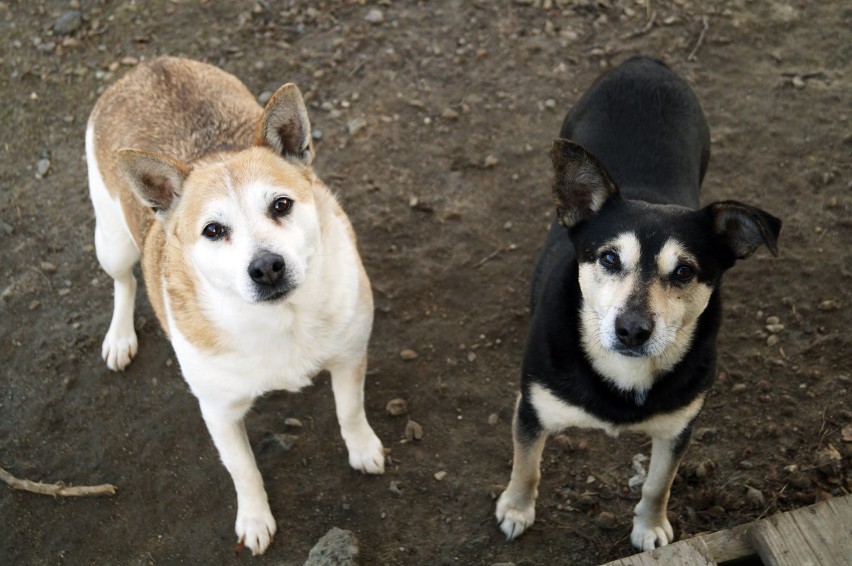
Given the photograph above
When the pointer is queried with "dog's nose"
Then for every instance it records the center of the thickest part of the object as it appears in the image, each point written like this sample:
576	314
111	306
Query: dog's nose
633	329
266	269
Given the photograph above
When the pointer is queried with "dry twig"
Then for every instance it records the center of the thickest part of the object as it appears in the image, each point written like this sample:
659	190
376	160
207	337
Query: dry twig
705	25
58	489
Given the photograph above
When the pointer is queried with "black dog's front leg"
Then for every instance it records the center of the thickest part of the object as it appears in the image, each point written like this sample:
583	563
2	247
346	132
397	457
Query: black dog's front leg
651	527
516	506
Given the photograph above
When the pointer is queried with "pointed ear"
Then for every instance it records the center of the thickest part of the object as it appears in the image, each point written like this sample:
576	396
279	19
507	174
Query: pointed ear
285	128
581	185
744	227
156	180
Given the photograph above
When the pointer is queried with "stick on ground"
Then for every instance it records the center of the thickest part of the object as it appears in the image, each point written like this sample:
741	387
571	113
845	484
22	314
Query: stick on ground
58	489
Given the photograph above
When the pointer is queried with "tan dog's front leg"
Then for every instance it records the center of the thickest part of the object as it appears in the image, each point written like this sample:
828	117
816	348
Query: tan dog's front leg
651	526
255	524
365	449
516	506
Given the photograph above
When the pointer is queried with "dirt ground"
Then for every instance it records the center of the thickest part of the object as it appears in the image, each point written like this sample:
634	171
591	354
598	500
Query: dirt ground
434	122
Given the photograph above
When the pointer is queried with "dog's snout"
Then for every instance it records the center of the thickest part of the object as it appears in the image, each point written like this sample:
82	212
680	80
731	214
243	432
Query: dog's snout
266	269
633	329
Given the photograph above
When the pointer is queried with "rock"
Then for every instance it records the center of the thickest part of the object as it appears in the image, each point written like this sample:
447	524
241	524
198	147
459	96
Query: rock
42	167
846	433
6	229
440	475
394	488
606	521
336	548
755	497
490	161
296	423
68	23
397	407
772	320
449	114
264	97
772	340
493	419
774	328
408	354
356	125
375	16
413	430
828	305
48	267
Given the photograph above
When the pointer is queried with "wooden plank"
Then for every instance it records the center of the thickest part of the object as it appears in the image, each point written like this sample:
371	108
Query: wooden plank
729	544
811	536
690	552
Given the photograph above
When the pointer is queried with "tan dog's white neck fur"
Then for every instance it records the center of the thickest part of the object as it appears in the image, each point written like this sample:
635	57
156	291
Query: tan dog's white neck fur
250	263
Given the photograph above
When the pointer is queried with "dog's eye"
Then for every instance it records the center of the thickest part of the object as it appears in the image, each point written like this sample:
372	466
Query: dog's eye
214	231
683	274
281	206
610	260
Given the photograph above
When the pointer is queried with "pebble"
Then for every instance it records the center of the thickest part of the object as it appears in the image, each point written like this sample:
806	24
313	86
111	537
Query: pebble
316	134
396	407
772	320
774	328
294	422
408	354
772	340
48	267
550	103
828	305
449	114
440	475
413	430
68	23
42	167
394	488
375	16
798	82
755	497
356	125
490	161
6	228
337	546
264	97
493	419
606	521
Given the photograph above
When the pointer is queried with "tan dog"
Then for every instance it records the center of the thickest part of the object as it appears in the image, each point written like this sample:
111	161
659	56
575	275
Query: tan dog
249	261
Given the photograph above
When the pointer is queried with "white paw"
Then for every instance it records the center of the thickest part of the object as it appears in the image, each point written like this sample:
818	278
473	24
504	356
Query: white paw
513	516
119	348
649	533
366	453
255	530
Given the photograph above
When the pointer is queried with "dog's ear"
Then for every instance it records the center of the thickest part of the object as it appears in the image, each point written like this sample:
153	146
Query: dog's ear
156	180
581	185
284	126
743	228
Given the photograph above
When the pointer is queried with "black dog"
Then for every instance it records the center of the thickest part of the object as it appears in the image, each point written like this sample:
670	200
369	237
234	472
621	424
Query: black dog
625	298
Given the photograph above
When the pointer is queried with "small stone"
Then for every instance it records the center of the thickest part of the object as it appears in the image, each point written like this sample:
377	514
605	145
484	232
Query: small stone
42	167
493	419
440	475
550	103
316	134
449	114
294	422
68	23
471	357
130	61
6	229
828	305
739	387
397	407
772	340
490	161
798	82
606	521
845	432
375	16
264	97
394	488
337	546
755	497
774	328
772	320
356	125
48	267
507	225
35	305
408	354
413	430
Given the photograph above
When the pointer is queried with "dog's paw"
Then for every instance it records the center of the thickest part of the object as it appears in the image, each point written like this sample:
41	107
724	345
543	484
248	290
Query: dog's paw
366	453
513	516
119	348
255	530
649	534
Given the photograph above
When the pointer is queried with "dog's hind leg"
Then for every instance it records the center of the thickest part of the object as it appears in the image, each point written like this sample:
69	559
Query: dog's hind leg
255	524
516	506
117	253
651	527
365	449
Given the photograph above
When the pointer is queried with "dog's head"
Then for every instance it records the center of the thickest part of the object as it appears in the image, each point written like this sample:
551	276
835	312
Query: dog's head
246	221
646	272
